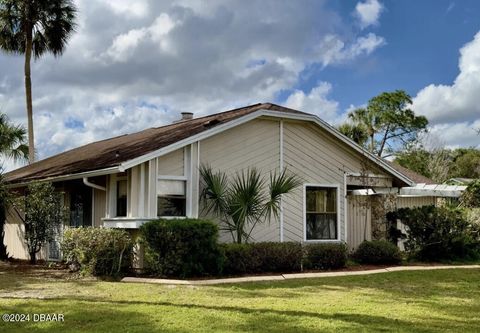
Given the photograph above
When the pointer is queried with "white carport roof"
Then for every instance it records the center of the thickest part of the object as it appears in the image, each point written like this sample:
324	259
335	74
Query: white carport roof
419	190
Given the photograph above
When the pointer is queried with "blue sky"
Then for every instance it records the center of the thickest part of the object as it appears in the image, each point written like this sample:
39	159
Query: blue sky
137	64
423	39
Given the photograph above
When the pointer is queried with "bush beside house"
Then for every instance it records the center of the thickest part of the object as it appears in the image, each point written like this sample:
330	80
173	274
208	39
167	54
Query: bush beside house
440	233
253	258
378	252
325	256
97	251
182	248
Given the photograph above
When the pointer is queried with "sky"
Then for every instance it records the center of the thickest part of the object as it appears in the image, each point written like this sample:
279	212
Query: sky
134	65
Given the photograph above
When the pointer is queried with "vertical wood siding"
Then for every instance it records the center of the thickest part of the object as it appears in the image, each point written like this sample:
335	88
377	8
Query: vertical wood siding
359	219
403	202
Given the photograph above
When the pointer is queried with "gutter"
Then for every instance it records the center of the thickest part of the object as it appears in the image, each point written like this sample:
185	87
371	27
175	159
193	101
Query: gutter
100	172
92	185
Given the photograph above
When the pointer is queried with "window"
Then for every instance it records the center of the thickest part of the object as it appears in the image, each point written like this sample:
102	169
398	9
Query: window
81	207
121	197
171	199
321	213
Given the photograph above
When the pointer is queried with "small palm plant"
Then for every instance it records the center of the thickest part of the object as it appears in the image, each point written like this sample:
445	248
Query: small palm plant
244	201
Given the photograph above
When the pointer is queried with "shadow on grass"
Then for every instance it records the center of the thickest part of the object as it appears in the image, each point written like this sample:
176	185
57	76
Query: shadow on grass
114	316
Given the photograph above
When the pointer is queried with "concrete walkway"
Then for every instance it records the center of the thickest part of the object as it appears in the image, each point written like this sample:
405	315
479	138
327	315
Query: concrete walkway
290	276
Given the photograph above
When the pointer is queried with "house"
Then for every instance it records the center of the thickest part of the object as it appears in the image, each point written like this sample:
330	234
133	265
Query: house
124	181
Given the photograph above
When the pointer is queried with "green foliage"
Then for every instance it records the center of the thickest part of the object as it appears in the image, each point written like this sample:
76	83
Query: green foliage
97	251
471	196
465	163
325	256
387	121
439	233
377	252
43	215
266	257
356	132
243	202
182	247
49	24
12	140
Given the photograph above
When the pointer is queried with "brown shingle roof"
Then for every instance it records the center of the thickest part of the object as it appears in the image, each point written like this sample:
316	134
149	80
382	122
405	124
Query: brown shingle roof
112	152
416	177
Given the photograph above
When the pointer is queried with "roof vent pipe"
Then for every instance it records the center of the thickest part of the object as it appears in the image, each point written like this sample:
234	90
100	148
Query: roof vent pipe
187	115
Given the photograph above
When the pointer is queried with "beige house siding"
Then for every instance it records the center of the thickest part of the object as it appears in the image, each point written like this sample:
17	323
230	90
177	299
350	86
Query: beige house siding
172	164
99	207
403	202
254	144
317	158
14	238
359	218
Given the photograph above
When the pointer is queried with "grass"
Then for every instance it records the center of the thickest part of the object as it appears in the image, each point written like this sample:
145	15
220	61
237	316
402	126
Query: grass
417	301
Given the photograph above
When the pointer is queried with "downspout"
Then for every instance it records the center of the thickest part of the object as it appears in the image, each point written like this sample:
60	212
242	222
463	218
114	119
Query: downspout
89	184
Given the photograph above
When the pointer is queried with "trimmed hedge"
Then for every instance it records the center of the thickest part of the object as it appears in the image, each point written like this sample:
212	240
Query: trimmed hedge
182	248
97	251
325	256
377	253
266	257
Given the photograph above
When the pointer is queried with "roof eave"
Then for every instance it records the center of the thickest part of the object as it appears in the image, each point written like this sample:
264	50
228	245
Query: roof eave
92	173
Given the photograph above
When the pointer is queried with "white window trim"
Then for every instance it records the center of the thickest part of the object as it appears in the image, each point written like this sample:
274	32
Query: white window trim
337	187
176	178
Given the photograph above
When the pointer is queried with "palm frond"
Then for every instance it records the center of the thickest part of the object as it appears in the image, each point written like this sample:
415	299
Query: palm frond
280	183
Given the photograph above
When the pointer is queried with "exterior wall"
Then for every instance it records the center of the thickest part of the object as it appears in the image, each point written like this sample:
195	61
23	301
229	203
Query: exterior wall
359	219
254	144
99	207
317	158
172	164
403	202
14	238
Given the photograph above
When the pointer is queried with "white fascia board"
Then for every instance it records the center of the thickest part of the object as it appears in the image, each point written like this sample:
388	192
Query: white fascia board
263	112
93	173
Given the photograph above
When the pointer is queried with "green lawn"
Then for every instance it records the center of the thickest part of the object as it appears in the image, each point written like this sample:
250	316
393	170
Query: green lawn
428	301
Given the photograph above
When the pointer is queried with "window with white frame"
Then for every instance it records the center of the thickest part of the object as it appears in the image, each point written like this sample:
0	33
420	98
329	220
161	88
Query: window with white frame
171	198
321	213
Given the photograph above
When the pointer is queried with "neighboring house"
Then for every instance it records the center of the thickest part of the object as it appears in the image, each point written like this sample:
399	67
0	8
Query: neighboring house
127	180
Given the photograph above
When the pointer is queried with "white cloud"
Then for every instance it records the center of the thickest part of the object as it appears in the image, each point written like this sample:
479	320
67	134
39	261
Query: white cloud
457	102
316	102
334	50
138	64
368	12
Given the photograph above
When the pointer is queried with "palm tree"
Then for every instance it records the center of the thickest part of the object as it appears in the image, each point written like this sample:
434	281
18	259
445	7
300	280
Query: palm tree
12	140
356	132
35	27
243	202
370	120
12	146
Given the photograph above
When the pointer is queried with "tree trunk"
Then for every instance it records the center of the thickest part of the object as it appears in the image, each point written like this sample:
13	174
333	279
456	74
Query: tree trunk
3	248
28	90
372	143
239	236
33	257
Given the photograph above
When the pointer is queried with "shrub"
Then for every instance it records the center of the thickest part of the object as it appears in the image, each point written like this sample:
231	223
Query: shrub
325	256
97	251
377	252
471	196
439	233
182	247
267	257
